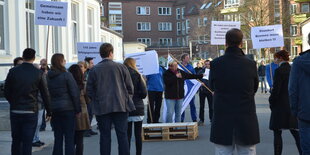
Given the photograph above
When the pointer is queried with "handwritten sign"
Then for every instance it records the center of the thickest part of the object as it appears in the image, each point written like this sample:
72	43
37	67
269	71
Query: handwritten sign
219	30
89	49
267	36
51	13
146	62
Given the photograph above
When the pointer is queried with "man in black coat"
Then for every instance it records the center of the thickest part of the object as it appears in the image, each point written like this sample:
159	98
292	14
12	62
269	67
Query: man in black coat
234	79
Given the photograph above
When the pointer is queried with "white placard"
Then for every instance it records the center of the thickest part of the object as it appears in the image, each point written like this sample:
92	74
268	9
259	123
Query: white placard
207	71
267	36
51	13
219	30
147	62
89	49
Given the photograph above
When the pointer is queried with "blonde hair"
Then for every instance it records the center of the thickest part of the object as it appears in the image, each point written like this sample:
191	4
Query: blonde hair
83	63
171	63
130	62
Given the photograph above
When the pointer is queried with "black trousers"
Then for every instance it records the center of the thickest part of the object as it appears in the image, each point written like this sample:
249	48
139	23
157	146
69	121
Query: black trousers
138	136
78	141
202	99
155	99
278	144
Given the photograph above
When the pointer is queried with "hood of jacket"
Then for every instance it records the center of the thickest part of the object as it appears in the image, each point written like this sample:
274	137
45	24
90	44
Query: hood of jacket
304	61
53	73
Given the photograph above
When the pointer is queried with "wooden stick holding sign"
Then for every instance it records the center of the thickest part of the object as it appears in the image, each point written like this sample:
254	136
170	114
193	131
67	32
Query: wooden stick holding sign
192	73
46	52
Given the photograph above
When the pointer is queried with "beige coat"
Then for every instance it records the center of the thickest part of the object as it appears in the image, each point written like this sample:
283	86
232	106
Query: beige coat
82	122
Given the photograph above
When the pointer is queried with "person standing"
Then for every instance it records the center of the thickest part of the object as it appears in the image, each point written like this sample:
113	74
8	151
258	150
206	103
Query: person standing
43	67
90	64
299	88
185	62
203	93
18	61
22	85
270	69
140	93
65	105
155	87
262	75
82	122
110	88
234	80
281	117
174	90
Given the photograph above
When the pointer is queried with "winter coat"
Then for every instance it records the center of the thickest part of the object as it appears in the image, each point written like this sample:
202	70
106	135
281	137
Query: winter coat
82	122
281	117
234	80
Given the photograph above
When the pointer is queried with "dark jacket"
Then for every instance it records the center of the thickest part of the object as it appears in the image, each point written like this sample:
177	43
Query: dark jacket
174	87
234	79
140	92
262	70
22	86
65	94
203	89
299	87
110	88
281	117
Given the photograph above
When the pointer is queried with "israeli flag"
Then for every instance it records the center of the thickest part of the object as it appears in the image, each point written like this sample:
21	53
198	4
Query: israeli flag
190	89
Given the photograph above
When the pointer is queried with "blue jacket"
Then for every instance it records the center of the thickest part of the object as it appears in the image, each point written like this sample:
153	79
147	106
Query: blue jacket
155	81
269	78
190	68
299	87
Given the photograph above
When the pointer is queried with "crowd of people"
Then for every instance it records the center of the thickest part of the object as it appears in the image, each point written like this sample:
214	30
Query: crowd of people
114	93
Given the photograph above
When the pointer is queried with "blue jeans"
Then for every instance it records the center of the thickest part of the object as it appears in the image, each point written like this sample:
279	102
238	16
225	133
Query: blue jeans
119	119
174	106
193	111
304	133
263	83
36	137
23	127
64	128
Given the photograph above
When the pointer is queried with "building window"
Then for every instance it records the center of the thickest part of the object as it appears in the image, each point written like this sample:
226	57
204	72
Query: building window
164	11
182	13
294	51
143	10
203	39
165	41
183	28
115	16
179	42
178	13
144	26
164	26
231	3
75	26
178	28
205	21
277	11
2	37
56	39
90	24
187	26
199	22
146	41
305	7
293	30
30	27
293	8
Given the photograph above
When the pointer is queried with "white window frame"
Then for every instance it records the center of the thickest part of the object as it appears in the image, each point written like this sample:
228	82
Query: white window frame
179	30
164	26
179	41
199	22
90	24
147	41
178	13
165	40
4	39
75	22
56	39
294	51
162	11
205	21
183	27
183	12
145	26
30	41
302	10
293	9
294	30
146	12
187	24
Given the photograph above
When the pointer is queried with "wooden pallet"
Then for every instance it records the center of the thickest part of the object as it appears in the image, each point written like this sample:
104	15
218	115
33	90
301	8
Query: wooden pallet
169	131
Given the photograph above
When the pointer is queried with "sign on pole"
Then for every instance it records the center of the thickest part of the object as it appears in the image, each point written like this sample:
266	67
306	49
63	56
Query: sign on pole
87	49
267	36
219	30
146	62
51	13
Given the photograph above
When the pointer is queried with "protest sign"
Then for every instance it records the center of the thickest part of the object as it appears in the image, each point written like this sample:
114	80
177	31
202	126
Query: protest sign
219	30
89	49
267	36
51	13
146	62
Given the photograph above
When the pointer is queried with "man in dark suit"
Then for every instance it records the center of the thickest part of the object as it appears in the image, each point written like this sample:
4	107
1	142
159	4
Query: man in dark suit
234	79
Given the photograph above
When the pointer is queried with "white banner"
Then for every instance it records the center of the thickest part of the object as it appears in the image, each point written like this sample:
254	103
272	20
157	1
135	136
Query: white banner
219	30
147	62
51	13
267	36
89	49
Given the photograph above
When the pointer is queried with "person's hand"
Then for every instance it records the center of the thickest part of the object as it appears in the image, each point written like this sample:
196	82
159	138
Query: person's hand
179	75
78	115
48	118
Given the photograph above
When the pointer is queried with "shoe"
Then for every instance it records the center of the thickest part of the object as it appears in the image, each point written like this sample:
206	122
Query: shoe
86	134
36	144
91	132
42	143
265	91
42	129
201	123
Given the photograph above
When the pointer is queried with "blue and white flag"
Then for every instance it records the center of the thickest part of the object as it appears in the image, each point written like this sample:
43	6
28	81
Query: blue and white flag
190	89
